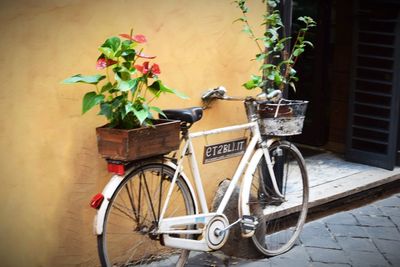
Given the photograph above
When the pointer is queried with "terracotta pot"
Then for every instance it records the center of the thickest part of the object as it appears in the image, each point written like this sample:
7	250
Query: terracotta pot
269	110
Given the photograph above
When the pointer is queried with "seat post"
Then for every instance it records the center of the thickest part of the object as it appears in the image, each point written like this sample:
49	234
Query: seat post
185	129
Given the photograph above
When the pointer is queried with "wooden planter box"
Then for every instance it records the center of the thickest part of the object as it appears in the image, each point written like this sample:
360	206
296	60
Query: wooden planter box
128	145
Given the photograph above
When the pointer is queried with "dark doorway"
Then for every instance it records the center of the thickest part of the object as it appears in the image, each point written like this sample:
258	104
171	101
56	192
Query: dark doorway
313	71
373	122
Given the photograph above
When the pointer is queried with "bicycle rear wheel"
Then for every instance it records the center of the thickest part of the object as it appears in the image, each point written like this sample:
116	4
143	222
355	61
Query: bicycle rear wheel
128	237
283	218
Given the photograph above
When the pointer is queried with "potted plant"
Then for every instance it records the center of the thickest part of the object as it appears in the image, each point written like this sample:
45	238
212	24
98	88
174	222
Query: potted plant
125	95
277	68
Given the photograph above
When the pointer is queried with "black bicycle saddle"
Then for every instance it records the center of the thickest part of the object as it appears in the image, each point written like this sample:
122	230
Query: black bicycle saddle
188	115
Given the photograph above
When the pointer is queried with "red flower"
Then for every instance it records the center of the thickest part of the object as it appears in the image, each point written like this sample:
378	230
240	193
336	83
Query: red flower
139	38
103	62
155	69
126	36
145	69
145	56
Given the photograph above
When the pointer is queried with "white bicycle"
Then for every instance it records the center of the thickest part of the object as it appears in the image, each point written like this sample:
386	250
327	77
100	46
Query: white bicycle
153	215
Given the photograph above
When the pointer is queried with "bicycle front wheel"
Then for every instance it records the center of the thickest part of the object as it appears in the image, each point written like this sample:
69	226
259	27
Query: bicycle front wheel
129	237
282	218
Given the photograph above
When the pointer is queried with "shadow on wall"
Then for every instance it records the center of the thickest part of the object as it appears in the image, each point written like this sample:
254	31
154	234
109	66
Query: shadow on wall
77	242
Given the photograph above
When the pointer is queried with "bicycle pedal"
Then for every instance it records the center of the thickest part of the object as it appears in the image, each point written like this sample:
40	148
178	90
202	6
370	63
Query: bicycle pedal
249	223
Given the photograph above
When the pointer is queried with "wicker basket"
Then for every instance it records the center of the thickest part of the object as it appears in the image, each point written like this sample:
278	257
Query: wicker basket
284	118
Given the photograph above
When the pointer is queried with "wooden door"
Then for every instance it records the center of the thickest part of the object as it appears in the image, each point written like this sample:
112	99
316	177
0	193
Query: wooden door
372	132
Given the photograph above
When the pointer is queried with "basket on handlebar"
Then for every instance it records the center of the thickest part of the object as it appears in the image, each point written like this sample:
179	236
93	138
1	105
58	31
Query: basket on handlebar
284	118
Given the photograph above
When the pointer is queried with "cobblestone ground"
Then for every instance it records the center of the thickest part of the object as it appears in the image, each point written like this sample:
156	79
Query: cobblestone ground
366	236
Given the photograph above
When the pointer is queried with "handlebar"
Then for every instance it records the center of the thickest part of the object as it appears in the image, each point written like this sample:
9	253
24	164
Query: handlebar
220	93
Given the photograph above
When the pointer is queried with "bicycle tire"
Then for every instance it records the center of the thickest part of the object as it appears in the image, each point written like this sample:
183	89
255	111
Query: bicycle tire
281	221
133	213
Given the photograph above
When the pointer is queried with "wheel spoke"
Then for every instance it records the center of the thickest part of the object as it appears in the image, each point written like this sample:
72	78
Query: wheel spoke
132	254
130	224
280	229
148	198
122	208
130	195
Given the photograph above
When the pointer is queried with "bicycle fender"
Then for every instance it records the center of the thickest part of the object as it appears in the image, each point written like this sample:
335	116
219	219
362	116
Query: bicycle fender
113	184
108	192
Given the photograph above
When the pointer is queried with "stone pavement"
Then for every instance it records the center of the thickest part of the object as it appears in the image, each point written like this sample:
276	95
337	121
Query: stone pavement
362	237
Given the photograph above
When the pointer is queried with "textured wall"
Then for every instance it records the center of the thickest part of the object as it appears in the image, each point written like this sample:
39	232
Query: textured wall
49	164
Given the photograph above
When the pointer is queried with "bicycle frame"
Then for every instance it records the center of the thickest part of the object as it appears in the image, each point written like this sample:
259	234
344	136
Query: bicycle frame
166	225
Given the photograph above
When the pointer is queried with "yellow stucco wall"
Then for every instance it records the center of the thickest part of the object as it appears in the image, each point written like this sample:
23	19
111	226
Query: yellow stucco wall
49	164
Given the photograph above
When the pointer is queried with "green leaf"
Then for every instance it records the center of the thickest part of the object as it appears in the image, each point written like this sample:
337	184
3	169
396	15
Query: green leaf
256	78
308	21
125	86
125	83
267	66
90	100
179	94
158	110
273	33
283	40
271	76
253	83
309	43
127	64
272	3
279	47
249	85
135	84
268	43
117	53
124	74
157	87
293	86
108	52
126	44
278	79
303	19
110	48
141	115
106	87
292	72
243	19
117	101
273	19
113	43
106	110
128	108
129	55
298	52
89	79
247	30
261	57
287	62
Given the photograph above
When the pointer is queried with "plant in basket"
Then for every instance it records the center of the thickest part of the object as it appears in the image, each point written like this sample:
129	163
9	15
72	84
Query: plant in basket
125	92
277	63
